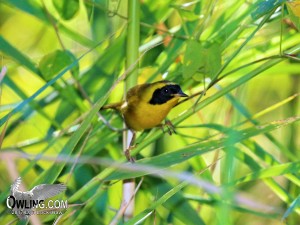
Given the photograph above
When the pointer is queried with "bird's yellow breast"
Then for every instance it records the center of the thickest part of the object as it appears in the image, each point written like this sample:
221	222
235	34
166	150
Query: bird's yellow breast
141	115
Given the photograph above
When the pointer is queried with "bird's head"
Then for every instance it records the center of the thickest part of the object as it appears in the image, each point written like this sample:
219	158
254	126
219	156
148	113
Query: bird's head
162	92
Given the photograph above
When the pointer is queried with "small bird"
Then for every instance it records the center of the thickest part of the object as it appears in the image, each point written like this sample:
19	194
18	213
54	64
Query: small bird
146	106
38	193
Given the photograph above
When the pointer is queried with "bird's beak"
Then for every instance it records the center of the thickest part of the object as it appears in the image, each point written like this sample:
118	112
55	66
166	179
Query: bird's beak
181	94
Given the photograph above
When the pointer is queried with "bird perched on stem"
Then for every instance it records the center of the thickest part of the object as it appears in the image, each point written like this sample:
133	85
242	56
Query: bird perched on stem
146	106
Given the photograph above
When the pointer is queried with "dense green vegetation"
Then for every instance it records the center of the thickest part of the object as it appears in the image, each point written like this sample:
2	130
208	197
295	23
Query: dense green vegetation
235	157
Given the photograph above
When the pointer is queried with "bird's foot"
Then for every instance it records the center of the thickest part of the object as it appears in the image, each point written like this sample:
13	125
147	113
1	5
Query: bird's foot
127	154
170	127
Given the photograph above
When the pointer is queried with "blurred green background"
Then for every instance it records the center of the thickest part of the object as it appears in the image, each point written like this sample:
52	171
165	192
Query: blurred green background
235	158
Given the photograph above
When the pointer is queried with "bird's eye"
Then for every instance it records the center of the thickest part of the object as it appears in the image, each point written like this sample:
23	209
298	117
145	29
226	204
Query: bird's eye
166	90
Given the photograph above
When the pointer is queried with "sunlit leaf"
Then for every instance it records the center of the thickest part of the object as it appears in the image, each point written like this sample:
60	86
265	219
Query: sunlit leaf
206	61
193	59
54	62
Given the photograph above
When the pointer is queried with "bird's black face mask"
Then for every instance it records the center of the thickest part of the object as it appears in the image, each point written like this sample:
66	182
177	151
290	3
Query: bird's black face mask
166	93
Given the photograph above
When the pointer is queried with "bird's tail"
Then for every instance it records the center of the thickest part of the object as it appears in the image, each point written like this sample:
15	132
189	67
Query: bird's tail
115	106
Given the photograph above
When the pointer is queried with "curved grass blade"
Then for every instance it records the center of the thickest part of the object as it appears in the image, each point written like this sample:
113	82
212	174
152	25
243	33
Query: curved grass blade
295	204
19	57
190	216
273	171
172	158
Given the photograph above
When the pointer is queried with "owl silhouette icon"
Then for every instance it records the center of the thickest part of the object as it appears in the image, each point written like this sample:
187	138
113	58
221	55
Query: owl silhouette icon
22	203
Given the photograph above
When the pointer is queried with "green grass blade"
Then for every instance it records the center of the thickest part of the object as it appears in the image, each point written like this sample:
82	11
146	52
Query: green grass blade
16	55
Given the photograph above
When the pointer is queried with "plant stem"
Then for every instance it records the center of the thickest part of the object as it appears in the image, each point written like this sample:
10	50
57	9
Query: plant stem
132	55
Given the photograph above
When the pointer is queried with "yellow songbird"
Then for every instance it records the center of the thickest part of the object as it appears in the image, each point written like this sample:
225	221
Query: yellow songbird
147	105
